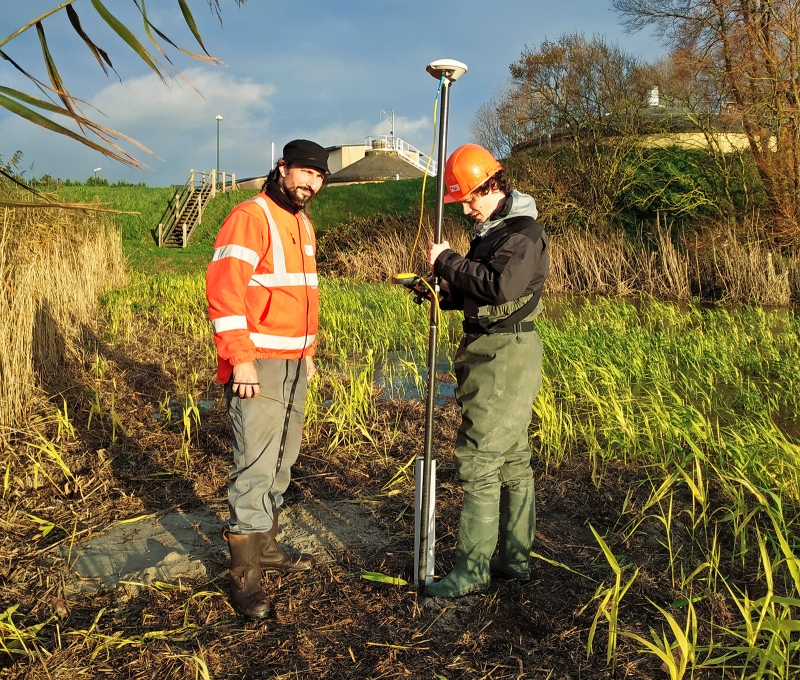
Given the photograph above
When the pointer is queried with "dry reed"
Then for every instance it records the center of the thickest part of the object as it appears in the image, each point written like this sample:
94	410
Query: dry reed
731	266
53	266
373	249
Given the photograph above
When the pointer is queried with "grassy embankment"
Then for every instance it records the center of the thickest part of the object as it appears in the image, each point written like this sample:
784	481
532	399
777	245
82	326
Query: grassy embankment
671	431
333	207
366	232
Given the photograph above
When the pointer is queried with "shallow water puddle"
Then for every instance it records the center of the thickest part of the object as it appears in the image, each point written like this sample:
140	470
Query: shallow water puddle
402	377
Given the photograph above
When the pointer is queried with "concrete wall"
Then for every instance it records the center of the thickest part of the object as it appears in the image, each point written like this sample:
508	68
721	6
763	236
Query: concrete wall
343	156
728	141
254	183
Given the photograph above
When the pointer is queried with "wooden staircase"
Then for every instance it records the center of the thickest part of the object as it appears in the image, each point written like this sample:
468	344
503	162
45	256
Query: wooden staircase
185	209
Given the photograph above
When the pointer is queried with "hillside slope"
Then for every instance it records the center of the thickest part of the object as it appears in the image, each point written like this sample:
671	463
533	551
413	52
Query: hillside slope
334	206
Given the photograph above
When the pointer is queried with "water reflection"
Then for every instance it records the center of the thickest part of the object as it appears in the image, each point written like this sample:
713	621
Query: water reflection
402	375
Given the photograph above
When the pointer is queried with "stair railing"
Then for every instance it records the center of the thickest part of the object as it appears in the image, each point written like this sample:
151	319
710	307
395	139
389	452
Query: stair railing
175	209
186	214
403	149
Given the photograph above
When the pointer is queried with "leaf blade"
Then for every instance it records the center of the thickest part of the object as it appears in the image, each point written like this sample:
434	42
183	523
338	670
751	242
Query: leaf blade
52	71
123	32
98	52
187	15
32	116
383	578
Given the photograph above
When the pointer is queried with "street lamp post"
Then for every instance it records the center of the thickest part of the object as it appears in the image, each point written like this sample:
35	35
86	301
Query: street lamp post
219	118
96	170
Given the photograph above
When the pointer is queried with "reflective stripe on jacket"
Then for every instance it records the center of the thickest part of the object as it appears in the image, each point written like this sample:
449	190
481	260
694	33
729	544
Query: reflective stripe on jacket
262	286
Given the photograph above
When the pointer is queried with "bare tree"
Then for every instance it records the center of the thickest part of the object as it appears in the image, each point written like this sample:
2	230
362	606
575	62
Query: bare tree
56	99
580	98
750	51
502	123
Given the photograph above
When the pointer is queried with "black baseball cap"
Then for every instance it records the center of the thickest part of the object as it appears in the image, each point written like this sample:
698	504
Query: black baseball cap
304	152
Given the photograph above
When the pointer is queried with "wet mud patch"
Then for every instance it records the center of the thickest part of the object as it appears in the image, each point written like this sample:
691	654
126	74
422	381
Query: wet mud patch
189	545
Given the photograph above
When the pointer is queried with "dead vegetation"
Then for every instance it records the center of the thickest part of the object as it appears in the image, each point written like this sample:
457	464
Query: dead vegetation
53	266
734	265
373	249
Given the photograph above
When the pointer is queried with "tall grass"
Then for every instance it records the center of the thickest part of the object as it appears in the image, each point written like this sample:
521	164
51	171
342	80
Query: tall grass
658	384
367	233
372	249
653	382
53	266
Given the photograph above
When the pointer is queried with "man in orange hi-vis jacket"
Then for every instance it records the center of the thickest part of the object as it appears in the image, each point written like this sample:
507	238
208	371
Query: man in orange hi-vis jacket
263	301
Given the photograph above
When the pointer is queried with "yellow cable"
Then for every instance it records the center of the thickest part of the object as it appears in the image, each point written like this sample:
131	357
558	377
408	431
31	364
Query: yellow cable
434	296
425	179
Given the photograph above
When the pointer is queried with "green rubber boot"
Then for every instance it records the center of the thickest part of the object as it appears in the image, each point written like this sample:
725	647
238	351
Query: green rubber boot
517	529
477	538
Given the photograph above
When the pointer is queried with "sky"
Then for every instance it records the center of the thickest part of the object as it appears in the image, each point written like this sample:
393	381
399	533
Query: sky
318	69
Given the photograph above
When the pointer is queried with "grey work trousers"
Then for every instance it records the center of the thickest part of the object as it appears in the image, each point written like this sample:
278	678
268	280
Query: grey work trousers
498	378
267	432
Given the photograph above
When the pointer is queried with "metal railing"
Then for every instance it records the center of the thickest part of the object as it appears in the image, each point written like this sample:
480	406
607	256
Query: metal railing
187	205
404	150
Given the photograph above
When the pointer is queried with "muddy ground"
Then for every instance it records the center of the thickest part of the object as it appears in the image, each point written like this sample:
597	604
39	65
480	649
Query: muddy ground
174	620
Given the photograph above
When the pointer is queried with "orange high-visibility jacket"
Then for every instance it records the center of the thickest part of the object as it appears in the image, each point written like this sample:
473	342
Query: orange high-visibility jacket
262	286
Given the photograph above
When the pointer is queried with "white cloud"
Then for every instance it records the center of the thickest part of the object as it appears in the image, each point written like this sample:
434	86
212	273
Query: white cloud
406	128
176	123
352	132
146	103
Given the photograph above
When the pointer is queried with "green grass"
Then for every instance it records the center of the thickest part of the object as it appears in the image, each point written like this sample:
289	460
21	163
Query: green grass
139	232
334	206
648	384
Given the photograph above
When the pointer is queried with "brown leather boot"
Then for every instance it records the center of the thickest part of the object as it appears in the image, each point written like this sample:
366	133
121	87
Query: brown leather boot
275	557
247	596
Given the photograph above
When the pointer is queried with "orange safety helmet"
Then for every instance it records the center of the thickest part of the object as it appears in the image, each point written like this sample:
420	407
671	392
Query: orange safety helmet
468	167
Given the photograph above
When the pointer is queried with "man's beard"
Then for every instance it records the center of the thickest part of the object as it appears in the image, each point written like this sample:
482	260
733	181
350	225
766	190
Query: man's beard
295	195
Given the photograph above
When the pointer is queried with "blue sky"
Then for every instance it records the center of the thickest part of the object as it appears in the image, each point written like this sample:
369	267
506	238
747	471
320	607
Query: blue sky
317	69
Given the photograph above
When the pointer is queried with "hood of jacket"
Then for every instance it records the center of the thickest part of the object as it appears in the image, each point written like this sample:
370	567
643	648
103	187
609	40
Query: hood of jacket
516	205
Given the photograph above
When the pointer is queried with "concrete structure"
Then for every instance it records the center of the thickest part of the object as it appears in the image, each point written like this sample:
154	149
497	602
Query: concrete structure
377	160
251	183
724	141
341	156
376	166
665	126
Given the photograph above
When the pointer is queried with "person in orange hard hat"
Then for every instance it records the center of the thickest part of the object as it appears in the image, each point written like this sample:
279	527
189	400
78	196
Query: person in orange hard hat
263	301
498	285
